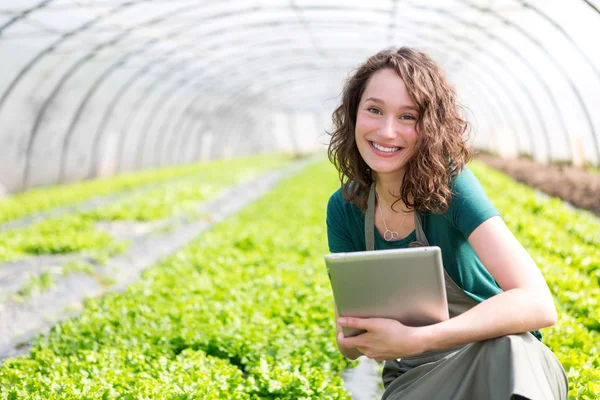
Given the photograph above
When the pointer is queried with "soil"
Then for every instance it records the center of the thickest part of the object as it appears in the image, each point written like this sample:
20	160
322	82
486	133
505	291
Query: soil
578	186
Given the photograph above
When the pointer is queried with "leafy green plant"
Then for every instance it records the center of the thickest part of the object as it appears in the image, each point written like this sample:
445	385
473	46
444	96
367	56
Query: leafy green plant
77	232
37	283
40	199
245	311
257	305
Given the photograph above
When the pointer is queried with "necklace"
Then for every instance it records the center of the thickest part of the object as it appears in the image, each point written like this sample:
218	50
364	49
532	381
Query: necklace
390	235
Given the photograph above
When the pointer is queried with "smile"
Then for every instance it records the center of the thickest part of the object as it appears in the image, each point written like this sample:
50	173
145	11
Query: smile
385	149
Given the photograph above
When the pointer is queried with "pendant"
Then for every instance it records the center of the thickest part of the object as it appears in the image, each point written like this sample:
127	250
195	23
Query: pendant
390	235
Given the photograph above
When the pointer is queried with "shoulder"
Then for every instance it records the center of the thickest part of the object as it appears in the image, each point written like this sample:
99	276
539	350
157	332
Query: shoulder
470	205
337	203
464	182
342	222
336	200
341	211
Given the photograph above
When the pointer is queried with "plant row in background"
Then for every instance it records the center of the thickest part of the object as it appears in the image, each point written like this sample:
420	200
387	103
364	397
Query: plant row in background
571	262
245	311
561	241
40	199
77	231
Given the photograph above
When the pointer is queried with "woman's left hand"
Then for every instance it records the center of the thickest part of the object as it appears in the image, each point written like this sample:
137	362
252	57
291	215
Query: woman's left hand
384	339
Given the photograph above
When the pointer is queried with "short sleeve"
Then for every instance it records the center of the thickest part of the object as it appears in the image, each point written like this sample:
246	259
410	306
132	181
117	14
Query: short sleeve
470	205
338	234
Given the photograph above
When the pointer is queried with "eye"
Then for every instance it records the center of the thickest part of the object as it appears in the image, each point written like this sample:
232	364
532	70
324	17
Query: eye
408	117
373	110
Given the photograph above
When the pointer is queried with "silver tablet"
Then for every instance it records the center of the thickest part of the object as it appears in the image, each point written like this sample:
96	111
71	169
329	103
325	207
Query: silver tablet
402	284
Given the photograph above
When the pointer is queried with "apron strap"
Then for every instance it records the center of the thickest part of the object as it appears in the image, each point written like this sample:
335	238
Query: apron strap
370	225
370	220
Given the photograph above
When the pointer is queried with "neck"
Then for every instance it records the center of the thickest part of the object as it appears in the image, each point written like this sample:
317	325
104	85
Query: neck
388	188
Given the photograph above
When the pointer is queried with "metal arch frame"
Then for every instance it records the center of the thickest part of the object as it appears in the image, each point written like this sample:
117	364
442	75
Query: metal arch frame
519	56
236	13
236	60
191	105
285	81
517	107
573	43
546	87
58	42
516	78
155	112
592	6
175	133
145	96
74	68
518	81
51	48
298	12
505	44
192	128
185	29
23	14
555	62
263	23
99	132
239	89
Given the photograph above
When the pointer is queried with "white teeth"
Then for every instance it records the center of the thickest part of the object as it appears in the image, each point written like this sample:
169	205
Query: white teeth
386	149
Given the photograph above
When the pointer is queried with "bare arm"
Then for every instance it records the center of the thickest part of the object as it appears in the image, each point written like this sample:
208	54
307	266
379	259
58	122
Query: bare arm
525	305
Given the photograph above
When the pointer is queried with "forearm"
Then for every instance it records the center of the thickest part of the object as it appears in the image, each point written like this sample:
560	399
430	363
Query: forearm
513	311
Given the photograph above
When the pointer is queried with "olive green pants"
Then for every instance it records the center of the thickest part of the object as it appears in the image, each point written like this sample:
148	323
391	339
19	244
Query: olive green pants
494	369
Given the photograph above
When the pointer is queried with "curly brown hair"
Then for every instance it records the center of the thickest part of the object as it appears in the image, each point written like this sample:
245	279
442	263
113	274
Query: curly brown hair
442	150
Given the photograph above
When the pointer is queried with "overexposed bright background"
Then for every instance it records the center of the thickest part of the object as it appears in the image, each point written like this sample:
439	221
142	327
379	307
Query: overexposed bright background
94	88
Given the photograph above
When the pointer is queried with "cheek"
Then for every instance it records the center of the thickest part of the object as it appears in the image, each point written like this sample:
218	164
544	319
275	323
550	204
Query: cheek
364	124
411	135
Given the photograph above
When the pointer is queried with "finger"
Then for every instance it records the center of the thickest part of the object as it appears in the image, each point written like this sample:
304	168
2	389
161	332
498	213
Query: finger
361	350
352	341
351	322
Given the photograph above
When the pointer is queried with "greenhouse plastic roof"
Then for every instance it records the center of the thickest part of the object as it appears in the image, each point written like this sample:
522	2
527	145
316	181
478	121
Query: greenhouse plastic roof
82	79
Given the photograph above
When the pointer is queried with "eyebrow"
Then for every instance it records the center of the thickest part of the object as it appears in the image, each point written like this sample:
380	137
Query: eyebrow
376	100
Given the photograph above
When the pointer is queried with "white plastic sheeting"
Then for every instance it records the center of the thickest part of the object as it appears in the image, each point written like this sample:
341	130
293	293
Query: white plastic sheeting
94	88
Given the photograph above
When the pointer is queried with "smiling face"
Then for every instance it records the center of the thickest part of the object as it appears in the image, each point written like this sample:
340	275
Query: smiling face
386	125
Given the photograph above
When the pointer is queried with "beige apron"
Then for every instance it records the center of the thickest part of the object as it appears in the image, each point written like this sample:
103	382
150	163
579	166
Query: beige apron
494	369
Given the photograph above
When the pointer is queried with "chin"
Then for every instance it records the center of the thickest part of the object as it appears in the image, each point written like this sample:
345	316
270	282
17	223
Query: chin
382	168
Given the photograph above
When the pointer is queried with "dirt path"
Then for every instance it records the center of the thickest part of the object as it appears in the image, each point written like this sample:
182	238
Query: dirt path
577	186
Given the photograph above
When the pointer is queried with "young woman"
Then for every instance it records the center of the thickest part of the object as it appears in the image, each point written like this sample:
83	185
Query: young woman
399	140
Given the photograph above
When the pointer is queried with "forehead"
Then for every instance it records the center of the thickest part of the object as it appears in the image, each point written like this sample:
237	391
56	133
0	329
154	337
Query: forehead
387	86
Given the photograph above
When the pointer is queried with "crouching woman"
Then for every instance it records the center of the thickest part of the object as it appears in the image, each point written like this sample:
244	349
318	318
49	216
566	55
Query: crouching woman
399	141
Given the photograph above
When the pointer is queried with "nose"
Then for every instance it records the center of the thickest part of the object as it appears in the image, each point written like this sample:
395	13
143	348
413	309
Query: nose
387	130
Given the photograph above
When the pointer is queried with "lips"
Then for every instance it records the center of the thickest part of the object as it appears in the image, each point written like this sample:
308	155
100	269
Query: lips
384	150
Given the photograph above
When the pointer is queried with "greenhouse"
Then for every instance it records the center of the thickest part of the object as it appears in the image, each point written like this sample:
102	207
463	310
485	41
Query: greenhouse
168	171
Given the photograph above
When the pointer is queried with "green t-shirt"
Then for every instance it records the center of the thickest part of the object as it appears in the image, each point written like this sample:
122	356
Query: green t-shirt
469	208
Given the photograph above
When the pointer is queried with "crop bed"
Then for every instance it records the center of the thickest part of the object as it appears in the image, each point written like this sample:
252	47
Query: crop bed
245	310
77	231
